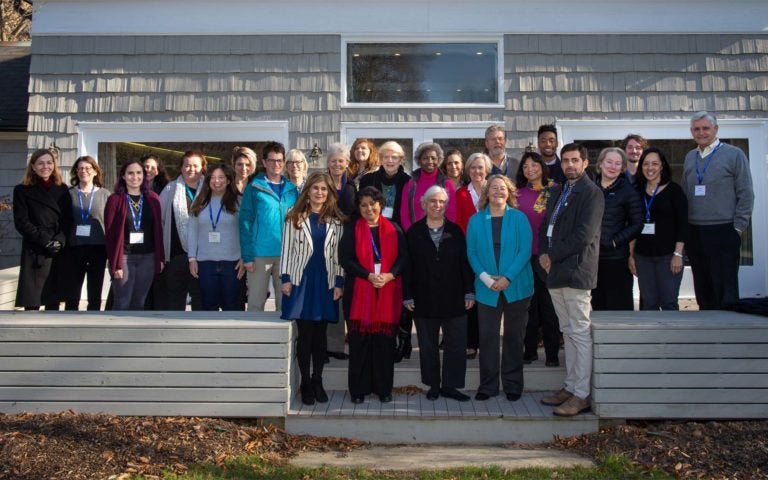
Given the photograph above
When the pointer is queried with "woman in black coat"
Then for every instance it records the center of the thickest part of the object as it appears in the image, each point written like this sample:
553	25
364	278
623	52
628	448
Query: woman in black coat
622	223
42	214
439	289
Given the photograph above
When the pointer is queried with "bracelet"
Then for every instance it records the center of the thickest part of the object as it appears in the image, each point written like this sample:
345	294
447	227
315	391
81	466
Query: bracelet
677	254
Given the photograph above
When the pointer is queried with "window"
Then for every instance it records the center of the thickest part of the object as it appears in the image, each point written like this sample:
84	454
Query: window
423	73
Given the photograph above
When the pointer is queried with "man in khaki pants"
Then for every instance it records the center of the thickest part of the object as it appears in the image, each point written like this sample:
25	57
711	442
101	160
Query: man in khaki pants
569	246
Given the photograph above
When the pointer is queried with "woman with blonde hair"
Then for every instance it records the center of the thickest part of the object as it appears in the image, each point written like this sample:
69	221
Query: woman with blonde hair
244	163
499	249
390	179
296	167
42	214
312	278
86	254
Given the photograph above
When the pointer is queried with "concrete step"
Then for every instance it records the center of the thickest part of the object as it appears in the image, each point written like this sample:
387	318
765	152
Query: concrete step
411	419
538	377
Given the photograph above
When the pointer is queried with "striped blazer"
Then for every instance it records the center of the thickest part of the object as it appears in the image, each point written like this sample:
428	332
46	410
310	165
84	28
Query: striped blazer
297	250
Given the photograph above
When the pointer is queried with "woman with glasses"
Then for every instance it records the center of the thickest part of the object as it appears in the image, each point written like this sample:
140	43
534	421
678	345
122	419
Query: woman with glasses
296	167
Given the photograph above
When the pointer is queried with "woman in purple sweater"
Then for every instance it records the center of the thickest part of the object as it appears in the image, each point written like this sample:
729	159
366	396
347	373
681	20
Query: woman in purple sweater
533	187
134	237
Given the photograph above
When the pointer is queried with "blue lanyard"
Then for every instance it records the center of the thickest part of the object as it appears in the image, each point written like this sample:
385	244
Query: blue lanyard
376	254
85	215
136	219
700	175
561	201
218	215
649	203
190	194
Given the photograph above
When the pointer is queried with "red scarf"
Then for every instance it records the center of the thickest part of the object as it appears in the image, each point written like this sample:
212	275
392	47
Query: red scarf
376	310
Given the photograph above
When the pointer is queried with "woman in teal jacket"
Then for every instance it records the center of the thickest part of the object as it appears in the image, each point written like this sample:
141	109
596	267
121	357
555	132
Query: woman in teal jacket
499	250
265	202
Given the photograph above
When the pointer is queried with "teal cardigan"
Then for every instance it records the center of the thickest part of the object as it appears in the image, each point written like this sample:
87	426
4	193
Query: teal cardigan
515	258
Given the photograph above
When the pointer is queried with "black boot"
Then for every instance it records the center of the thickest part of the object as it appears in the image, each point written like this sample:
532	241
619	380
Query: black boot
404	346
317	387
307	393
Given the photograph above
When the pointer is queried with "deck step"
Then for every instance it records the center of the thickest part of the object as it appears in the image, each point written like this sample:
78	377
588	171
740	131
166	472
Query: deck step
411	418
538	377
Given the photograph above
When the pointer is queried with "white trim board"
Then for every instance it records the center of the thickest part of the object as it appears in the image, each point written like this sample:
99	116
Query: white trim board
448	17
753	280
90	134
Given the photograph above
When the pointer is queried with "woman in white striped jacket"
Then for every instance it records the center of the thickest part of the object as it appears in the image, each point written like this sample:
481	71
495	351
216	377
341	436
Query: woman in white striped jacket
312	277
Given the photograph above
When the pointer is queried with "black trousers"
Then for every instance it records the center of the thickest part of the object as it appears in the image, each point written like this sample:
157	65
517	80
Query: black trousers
541	316
310	349
614	286
90	261
473	340
170	288
489	318
454	350
371	363
714	252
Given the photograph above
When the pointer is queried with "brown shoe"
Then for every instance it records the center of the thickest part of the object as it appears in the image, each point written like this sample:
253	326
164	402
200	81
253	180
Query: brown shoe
557	398
573	406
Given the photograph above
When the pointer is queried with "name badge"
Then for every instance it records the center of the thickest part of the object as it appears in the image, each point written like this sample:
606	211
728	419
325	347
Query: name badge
376	268
136	238
83	231
550	229
387	212
649	229
214	237
700	190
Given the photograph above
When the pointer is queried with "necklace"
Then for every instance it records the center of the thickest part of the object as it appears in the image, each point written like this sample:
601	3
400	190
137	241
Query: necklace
135	204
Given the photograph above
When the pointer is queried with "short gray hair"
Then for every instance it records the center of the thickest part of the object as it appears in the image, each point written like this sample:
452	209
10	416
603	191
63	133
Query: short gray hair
429	146
431	192
704	116
478	156
337	149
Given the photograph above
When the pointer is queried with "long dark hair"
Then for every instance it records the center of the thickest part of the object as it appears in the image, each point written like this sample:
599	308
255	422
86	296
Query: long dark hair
229	199
666	169
122	189
301	208
535	157
161	179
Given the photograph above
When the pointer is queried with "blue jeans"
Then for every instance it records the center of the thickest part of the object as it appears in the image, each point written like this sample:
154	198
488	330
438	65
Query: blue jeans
219	285
659	287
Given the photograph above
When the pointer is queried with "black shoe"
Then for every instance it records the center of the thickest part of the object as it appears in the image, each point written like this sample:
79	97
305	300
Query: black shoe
307	394
358	399
528	359
513	397
552	363
327	359
338	355
454	394
482	396
433	393
317	387
385	398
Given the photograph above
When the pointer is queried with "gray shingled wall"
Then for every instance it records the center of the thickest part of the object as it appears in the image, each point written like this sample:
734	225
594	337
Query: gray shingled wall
297	78
13	156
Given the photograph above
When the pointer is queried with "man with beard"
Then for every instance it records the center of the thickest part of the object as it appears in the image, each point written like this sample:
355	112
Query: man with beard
633	145
496	148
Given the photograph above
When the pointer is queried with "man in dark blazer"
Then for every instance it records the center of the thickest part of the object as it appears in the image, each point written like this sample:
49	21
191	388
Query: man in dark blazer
569	247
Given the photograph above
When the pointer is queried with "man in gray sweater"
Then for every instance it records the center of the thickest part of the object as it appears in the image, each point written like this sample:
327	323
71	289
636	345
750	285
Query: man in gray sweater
718	184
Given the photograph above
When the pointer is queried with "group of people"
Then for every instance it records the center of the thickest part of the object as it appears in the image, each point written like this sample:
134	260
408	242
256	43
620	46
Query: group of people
360	252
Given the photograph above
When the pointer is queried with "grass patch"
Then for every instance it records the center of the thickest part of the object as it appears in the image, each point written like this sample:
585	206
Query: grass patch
253	467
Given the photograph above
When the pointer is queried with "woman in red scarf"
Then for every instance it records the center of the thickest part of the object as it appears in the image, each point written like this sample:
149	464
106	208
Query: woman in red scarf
373	253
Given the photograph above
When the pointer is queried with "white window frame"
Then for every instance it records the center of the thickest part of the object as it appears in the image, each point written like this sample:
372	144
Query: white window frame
497	39
753	280
90	134
419	132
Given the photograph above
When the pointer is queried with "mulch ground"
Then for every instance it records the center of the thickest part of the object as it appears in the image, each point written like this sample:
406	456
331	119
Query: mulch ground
80	446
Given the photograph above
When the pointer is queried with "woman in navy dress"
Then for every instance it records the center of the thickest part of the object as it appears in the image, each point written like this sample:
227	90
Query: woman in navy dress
312	277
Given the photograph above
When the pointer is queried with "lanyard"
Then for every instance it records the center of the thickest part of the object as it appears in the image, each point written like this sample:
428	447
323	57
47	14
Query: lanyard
648	204
136	219
218	215
700	174
190	193
85	215
376	254
390	200
560	202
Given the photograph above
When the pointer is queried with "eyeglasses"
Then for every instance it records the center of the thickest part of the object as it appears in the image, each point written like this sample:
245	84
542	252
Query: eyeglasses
497	189
293	163
275	160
